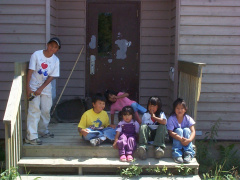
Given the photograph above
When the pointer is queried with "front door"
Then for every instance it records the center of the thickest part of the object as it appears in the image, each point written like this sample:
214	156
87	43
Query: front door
113	48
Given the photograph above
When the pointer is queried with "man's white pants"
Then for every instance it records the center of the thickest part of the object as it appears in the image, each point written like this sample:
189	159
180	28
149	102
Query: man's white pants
38	116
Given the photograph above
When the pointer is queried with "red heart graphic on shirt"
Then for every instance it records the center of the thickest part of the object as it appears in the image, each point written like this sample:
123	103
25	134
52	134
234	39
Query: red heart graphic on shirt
44	66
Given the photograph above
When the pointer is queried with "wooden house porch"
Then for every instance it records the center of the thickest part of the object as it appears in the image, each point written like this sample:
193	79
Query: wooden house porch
67	154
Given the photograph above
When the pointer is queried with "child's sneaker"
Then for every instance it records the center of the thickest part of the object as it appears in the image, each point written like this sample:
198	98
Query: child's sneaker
187	158
95	142
129	158
34	141
123	158
159	152
142	152
47	135
178	159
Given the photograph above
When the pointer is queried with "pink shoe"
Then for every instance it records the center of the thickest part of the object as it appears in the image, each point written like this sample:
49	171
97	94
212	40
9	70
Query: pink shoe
123	158
129	158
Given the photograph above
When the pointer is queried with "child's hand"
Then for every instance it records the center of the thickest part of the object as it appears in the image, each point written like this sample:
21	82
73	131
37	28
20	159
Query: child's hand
185	141
112	126
84	132
38	92
115	145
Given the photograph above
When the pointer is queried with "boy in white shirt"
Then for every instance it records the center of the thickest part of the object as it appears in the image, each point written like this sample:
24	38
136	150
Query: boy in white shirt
43	67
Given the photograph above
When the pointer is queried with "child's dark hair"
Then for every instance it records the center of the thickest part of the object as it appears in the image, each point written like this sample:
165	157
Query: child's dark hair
176	103
156	101
108	92
126	110
98	97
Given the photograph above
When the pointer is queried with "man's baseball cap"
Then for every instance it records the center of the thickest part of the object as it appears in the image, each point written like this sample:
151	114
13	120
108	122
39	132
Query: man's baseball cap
55	39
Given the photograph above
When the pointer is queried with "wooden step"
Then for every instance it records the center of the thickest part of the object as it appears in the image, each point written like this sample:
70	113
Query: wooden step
82	149
107	177
97	164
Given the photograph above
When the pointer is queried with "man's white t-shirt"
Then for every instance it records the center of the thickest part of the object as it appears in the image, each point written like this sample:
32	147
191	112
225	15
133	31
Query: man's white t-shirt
43	67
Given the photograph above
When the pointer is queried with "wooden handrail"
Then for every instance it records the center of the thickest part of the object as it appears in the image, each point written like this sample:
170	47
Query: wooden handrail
190	78
12	117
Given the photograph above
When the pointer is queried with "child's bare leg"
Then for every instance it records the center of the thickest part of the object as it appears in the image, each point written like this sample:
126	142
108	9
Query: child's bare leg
138	118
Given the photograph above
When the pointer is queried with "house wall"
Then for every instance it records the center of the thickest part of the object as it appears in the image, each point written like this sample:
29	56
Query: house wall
209	33
72	32
173	56
23	31
155	49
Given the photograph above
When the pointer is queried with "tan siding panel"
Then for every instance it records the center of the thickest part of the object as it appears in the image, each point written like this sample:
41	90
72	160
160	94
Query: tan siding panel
214	116
219	97
72	82
155	58
154	67
211	3
218	107
230	88
74	23
12	28
222	69
210	40
221	78
75	75
23	19
153	75
20	48
154	32
154	84
71	6
74	40
154	41
152	15
22	38
209	30
72	49
210	11
211	59
68	14
210	21
22	9
223	125
157	6
68	66
155	23
149	92
68	31
154	50
199	49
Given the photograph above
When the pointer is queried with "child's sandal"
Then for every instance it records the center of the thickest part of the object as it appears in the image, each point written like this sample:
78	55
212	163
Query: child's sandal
129	158
123	158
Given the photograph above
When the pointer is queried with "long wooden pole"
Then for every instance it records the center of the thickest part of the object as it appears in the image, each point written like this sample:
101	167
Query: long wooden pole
67	81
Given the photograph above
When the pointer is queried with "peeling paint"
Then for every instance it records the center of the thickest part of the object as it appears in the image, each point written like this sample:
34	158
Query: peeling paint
123	44
92	44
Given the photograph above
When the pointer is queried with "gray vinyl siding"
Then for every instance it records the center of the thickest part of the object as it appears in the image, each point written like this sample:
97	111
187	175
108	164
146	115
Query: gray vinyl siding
209	33
155	51
23	31
72	32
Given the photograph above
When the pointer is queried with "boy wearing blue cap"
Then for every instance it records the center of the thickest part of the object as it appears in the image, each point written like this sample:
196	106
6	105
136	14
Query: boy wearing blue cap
43	67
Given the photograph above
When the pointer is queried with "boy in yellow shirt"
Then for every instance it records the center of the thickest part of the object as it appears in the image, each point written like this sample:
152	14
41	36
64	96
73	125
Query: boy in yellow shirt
94	124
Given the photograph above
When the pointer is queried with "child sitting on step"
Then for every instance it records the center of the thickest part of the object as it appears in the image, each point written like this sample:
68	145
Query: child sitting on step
94	124
181	128
119	100
126	134
153	128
